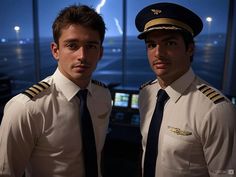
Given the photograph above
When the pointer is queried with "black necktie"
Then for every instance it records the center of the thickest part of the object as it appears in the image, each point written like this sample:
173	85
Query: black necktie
153	135
89	145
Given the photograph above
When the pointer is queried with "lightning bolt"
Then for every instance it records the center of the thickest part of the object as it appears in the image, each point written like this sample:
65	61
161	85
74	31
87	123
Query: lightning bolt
118	26
98	10
100	5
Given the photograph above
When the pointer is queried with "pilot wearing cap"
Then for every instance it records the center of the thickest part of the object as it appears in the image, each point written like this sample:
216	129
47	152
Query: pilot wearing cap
192	132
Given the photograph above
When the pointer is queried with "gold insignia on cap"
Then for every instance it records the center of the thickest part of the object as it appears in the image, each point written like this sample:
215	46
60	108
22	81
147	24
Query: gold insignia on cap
178	131
156	11
167	21
36	89
211	94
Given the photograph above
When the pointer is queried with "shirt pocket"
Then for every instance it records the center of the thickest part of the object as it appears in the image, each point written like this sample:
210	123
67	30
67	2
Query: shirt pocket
176	153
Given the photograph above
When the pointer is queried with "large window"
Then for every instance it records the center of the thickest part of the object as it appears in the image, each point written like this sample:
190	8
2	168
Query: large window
16	43
124	61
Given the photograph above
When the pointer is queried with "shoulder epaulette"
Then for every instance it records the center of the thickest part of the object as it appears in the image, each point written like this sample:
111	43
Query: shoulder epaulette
99	83
148	83
36	89
211	94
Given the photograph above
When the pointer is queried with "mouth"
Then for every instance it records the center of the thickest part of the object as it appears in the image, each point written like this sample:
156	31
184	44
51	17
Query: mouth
81	67
160	64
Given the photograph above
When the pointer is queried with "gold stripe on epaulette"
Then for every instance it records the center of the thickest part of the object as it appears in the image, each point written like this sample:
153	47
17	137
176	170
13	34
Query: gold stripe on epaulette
27	94
99	83
217	98
203	88
31	93
211	94
208	92
147	83
44	84
36	89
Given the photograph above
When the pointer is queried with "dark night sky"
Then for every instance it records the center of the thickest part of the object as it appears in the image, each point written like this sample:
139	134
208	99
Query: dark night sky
19	12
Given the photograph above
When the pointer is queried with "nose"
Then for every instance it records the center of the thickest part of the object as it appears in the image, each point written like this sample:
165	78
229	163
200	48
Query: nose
159	50
81	52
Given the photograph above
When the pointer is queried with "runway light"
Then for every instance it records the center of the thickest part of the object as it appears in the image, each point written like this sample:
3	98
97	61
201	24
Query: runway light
17	28
209	19
3	40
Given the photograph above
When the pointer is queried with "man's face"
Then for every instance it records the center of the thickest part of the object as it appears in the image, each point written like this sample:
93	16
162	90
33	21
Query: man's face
78	52
167	54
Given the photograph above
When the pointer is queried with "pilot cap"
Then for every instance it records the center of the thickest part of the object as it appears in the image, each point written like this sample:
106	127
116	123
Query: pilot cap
167	16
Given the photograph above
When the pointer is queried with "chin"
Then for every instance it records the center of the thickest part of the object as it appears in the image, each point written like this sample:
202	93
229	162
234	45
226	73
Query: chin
160	72
82	76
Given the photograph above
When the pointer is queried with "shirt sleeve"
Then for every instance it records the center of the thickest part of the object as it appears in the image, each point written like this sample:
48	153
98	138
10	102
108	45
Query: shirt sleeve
219	140
17	138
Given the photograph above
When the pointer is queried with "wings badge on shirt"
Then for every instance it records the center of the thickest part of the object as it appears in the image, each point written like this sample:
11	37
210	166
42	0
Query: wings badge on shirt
178	131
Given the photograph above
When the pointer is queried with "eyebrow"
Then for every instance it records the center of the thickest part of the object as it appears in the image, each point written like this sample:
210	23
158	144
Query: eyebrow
77	41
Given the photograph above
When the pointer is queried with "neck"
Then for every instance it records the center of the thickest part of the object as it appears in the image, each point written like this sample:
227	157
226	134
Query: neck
163	83
82	83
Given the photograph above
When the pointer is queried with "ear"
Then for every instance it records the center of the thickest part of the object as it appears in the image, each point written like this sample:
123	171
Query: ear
55	50
191	49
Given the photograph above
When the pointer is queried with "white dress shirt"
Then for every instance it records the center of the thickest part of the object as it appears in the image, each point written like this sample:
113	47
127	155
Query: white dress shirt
198	132
42	134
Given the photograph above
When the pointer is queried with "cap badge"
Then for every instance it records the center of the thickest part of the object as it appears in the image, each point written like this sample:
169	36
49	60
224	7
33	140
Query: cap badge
156	11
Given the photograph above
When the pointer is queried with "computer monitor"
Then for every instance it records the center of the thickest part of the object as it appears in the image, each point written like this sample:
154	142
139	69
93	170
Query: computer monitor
121	99
233	99
134	101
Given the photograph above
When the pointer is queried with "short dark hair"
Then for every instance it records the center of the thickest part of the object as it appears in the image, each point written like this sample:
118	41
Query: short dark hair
78	14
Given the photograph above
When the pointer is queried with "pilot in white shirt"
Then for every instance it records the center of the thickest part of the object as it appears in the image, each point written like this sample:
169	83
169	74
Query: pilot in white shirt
198	131
43	131
197	134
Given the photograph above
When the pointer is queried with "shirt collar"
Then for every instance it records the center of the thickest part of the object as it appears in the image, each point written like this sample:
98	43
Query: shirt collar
66	86
177	88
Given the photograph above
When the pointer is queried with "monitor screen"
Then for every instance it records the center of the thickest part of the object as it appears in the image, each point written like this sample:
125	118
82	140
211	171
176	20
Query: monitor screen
121	99
134	101
233	99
